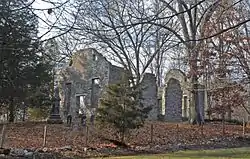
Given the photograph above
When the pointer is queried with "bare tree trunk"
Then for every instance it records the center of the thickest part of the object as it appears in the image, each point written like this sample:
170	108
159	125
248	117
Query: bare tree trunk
195	113
157	46
248	98
248	73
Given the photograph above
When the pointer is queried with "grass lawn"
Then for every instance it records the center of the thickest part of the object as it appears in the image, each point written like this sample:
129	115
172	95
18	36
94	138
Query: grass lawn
205	154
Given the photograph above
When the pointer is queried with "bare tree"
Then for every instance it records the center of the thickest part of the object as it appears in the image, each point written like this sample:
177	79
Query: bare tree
223	58
67	44
51	15
128	30
109	25
190	17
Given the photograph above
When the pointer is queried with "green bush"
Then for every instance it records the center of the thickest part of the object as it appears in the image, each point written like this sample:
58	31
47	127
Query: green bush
121	108
38	113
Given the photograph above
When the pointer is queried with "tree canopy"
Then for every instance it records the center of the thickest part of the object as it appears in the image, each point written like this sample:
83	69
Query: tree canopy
23	68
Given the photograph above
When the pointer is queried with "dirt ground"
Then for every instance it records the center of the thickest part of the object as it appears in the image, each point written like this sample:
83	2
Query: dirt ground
86	141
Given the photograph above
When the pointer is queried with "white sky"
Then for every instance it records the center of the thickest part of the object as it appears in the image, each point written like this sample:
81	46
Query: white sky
42	13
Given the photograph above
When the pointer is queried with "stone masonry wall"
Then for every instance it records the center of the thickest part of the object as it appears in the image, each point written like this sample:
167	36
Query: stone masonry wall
173	105
149	95
115	74
88	74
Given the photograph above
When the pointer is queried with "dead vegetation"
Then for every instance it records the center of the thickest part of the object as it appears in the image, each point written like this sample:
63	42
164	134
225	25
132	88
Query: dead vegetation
30	135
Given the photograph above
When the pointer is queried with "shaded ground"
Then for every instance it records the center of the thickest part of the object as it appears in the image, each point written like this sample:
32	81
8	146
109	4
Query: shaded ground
166	137
206	154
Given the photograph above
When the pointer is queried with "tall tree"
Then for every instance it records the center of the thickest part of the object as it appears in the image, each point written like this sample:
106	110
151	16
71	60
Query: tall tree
190	17
224	58
126	28
53	55
121	109
108	25
22	68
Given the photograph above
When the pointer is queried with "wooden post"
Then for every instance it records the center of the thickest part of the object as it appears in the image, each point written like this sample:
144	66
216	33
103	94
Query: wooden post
2	136
151	133
243	128
44	135
87	135
223	124
202	133
177	133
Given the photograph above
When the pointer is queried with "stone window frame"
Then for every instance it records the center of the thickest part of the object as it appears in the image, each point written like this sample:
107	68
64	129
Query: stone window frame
177	75
95	57
79	95
96	81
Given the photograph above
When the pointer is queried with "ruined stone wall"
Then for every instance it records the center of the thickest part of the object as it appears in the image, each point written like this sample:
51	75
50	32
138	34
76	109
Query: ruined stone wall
175	97
115	74
92	65
88	74
71	83
149	95
173	102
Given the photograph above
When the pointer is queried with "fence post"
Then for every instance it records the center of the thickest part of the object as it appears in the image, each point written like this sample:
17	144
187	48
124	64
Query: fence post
202	133
3	136
177	133
223	126
87	135
151	133
243	128
44	135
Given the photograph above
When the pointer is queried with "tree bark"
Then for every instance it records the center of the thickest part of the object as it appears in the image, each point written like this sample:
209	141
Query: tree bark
195	113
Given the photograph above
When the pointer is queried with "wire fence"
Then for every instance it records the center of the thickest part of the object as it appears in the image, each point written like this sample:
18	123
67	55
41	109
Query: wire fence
40	134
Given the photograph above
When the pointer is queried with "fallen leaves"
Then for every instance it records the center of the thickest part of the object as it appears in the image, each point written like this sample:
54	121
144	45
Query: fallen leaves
31	136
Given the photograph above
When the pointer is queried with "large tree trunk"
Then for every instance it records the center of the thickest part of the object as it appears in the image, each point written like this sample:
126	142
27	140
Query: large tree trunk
195	117
248	100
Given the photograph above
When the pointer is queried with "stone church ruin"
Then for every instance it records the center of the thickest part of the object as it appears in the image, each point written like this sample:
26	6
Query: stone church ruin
82	83
176	97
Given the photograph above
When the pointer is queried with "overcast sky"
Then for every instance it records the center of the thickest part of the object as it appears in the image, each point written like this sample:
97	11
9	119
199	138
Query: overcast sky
38	4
